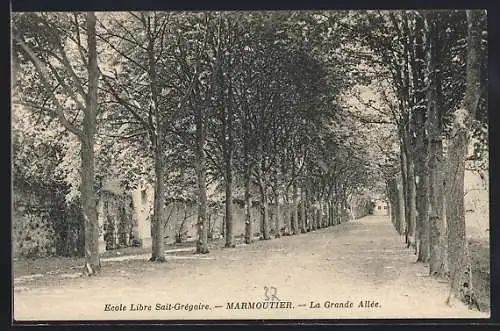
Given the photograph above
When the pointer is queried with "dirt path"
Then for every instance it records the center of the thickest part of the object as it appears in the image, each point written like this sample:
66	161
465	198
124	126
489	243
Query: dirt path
362	260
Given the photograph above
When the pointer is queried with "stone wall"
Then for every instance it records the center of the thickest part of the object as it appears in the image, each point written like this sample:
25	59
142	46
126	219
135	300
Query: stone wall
43	225
181	218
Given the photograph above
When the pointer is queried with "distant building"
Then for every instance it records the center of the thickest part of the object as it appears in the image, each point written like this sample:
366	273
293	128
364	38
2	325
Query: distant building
380	207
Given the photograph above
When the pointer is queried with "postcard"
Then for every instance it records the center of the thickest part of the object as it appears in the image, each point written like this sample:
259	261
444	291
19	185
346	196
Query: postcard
250	165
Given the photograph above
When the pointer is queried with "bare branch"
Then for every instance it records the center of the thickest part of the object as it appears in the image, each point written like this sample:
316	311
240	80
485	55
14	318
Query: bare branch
42	71
66	88
366	120
56	113
65	61
125	104
140	66
78	39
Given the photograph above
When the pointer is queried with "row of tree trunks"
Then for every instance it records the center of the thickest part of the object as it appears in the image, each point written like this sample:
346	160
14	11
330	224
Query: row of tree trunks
321	215
302	213
411	198
294	219
429	203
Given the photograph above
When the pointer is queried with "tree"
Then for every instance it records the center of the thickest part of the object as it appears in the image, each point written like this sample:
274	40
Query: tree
437	258
424	58
43	47
457	150
147	108
196	65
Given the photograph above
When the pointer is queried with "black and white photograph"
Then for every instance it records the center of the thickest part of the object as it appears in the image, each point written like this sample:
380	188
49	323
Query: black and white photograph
175	165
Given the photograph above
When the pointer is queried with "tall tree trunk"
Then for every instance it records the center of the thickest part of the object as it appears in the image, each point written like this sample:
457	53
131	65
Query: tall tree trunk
300	220
87	191
295	214
423	216
287	215
228	181
412	205
158	249
457	241
248	207
228	156
158	246
330	211
307	208
224	96
328	215
421	160
437	228
229	205
455	214
89	208
312	216
342	210
401	205
321	213
324	214
405	192
421	167
277	216
405	104
318	216
326	205
392	193
393	212
202	242
303	210
338	210
264	224
444	224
